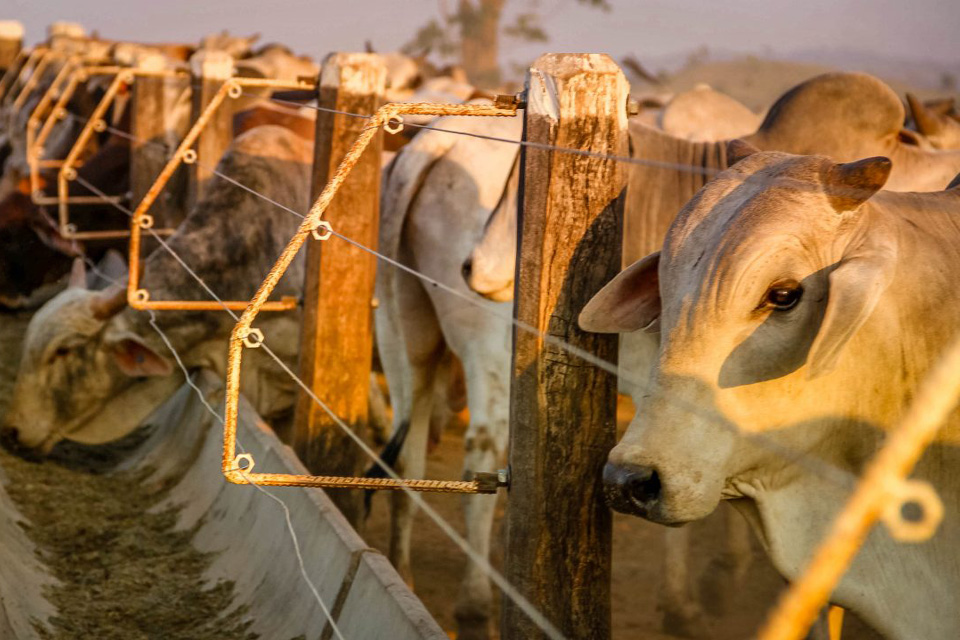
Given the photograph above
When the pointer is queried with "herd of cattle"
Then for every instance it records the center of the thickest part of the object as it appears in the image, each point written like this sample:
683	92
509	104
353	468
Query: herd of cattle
797	283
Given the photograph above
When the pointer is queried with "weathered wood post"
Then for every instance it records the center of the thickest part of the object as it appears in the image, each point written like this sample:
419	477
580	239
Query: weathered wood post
562	409
337	332
11	41
148	128
209	69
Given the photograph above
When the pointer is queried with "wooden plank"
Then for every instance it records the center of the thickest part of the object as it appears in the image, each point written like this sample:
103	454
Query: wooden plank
208	70
337	332
11	41
562	410
148	128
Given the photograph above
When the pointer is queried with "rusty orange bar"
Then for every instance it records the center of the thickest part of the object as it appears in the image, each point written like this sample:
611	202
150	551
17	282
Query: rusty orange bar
13	71
43	62
239	469
35	142
139	298
884	485
29	64
41	107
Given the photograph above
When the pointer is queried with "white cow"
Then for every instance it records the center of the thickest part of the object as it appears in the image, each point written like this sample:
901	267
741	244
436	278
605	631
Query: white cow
438	193
794	301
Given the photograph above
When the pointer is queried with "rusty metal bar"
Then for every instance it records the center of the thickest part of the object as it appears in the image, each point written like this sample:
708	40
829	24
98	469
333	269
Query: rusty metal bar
28	64
13	71
34	120
124	76
45	59
881	493
390	117
95	123
138	297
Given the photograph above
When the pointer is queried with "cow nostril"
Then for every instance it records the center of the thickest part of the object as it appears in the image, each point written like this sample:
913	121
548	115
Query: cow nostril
9	436
467	269
643	487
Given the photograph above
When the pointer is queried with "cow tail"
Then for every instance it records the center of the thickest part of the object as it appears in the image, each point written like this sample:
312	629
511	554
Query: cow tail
389	457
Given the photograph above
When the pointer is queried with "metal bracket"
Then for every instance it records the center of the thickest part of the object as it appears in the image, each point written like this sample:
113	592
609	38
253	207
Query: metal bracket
482	482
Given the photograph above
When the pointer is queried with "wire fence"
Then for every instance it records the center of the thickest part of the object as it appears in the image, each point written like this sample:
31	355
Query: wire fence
908	441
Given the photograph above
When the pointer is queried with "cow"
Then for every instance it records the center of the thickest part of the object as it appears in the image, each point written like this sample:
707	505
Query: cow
706	115
658	187
796	301
437	194
942	130
93	368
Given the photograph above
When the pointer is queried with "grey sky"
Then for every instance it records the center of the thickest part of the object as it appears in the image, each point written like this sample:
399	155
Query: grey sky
914	29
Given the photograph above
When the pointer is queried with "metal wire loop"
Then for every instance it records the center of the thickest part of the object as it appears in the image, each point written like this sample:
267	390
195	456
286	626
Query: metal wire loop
394	124
248	459
234	90
326	230
189	156
100	126
141	295
145	221
914	513
70	173
253	338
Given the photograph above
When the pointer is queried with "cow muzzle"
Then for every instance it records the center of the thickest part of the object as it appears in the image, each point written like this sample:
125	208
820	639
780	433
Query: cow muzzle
10	440
632	489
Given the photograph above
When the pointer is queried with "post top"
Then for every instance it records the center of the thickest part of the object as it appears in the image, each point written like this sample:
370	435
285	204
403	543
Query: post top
565	65
339	69
212	64
69	29
11	30
149	60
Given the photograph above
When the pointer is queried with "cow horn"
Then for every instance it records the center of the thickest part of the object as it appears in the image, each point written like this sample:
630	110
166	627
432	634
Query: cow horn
926	122
78	275
109	302
850	184
737	150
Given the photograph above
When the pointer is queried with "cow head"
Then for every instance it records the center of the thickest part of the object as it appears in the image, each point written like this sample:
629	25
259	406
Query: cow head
764	278
78	361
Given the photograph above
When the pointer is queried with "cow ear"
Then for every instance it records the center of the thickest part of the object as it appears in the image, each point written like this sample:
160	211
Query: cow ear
738	150
629	302
856	286
850	184
78	275
136	359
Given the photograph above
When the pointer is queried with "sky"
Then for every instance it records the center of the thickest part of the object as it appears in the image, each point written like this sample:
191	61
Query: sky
651	29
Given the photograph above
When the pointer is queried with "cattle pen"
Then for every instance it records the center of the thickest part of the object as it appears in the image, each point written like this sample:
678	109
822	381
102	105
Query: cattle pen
279	511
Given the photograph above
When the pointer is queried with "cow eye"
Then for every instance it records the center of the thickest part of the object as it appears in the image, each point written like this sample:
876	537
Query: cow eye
784	296
61	352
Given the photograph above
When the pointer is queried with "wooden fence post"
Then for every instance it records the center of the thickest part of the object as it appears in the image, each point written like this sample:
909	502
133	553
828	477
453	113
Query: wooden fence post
563	410
337	332
11	41
208	70
148	128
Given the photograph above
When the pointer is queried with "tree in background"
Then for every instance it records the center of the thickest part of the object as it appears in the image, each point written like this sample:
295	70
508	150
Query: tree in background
470	35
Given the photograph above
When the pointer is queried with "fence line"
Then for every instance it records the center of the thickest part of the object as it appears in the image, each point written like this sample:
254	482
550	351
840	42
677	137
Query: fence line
811	463
914	445
434	515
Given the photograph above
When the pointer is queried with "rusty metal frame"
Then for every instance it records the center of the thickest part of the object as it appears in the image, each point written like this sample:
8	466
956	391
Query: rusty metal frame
13	71
30	62
74	75
139	298
238	469
41	62
68	167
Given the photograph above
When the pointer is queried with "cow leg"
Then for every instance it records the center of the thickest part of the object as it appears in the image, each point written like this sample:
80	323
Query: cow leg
485	368
413	463
727	572
682	614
